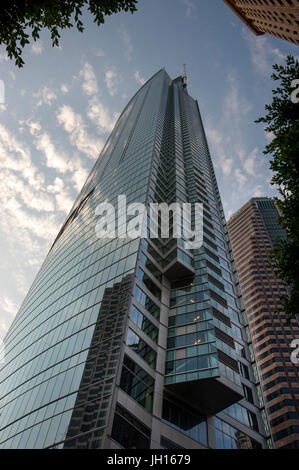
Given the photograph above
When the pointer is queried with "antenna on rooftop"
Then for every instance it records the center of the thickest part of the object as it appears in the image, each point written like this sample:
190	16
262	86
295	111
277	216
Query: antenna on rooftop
184	76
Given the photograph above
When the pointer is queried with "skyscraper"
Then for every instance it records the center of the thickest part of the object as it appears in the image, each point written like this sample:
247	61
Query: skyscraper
277	17
253	230
135	343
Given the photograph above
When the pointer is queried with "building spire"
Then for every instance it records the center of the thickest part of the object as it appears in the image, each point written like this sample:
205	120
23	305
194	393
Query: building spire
184	76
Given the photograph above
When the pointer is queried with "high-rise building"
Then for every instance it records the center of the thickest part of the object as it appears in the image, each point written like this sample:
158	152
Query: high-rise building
277	17
135	343
253	230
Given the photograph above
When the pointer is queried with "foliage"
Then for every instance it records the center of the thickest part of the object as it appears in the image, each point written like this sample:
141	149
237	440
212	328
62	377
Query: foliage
282	120
20	18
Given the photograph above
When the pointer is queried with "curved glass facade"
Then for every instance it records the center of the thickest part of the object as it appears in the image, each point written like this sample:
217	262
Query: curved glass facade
116	334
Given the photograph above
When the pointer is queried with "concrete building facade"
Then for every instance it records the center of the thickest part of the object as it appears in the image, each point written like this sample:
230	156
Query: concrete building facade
277	17
253	230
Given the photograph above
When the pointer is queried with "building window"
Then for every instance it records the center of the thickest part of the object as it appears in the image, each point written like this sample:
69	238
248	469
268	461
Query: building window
141	348
129	432
144	323
189	422
137	383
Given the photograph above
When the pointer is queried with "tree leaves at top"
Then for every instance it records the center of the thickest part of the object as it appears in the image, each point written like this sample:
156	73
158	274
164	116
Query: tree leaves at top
19	18
282	120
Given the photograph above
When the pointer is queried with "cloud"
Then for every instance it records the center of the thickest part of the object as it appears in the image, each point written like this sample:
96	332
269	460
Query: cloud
220	147
54	159
39	201
225	137
240	177
190	8
45	95
62	163
126	39
74	125
99	53
89	85
269	136
101	116
64	88
262	53
62	198
31	209
34	126
37	48
140	80
4	57
16	156
27	209
258	191
251	161
235	106
10	309
111	79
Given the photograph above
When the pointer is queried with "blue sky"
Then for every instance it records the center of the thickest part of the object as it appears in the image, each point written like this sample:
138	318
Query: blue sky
60	108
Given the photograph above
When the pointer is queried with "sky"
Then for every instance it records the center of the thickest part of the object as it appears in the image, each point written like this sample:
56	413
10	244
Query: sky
60	108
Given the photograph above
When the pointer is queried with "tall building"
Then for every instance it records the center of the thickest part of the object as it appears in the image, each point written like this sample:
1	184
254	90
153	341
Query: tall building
277	17
135	343
253	230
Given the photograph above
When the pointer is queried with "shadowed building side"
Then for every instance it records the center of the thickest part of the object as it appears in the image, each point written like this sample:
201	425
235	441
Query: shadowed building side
278	17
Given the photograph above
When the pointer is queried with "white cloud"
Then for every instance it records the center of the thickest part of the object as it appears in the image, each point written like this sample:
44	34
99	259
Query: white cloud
45	95
225	137
140	80
89	85
73	124
219	145
63	201
27	210
34	127
111	81
10	309
99	53
100	115
4	57
8	305
31	210
37	48
240	177
262	53
258	191
126	39
269	136
64	88
190	8
79	175
250	162
235	106
63	164
16	156
54	159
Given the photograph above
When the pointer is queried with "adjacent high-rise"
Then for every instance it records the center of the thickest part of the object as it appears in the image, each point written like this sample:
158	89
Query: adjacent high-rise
253	230
277	17
135	343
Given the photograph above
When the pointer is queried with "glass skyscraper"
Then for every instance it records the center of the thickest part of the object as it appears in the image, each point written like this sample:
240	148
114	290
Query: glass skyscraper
135	343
